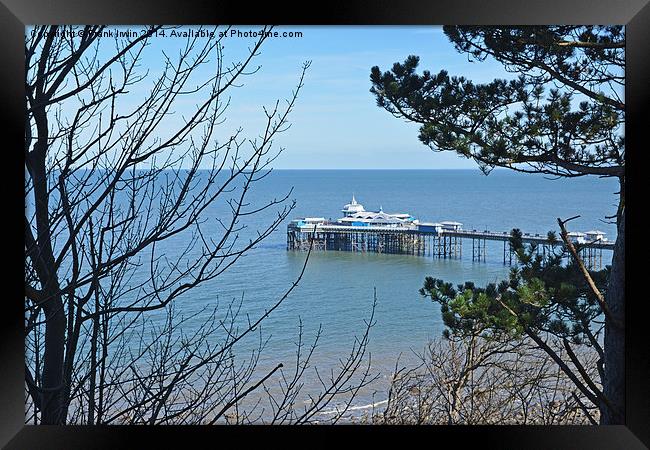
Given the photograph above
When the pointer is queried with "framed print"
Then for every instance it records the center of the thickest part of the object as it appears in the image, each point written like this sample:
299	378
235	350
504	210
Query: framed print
405	221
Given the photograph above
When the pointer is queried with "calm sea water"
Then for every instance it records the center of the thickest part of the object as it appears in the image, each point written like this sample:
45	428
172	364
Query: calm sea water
337	289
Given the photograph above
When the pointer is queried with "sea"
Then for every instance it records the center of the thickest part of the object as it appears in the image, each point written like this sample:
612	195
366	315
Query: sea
337	290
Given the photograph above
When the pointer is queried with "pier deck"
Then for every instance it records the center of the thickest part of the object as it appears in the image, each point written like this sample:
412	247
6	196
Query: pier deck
419	240
526	238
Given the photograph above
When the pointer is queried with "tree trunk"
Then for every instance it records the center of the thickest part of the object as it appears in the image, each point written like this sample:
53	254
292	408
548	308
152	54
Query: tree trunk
52	380
55	321
614	349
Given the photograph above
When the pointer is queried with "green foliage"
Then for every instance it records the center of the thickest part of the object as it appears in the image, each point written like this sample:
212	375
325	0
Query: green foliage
542	295
562	114
515	239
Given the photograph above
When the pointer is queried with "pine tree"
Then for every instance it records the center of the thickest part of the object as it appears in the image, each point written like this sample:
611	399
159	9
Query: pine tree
562	114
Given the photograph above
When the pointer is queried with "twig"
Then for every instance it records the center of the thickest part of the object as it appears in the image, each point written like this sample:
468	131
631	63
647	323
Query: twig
585	273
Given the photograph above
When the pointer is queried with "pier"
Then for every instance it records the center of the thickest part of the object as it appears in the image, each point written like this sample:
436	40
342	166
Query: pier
379	232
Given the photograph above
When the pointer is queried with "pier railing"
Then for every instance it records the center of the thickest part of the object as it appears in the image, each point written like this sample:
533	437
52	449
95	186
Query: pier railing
527	238
442	243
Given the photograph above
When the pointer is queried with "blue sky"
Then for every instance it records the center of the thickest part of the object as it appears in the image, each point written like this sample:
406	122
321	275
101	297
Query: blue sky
336	123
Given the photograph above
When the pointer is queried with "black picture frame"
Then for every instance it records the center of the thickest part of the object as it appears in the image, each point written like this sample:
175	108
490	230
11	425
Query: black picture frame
15	14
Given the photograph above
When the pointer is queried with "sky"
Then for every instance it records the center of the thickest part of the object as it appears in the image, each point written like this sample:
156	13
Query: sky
336	123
